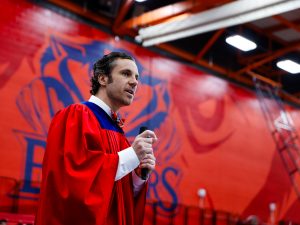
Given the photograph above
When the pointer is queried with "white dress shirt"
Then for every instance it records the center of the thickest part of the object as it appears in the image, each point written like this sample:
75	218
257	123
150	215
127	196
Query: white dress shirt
128	159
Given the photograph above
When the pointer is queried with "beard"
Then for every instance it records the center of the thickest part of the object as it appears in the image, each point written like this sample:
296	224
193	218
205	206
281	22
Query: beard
119	98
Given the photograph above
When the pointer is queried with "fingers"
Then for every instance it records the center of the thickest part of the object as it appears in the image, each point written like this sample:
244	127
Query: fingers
145	153
149	159
142	149
148	162
149	135
142	144
147	140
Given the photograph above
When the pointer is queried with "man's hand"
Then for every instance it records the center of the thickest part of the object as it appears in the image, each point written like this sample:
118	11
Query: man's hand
142	146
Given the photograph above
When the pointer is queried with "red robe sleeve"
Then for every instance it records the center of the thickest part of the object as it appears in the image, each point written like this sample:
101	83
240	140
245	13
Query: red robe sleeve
78	173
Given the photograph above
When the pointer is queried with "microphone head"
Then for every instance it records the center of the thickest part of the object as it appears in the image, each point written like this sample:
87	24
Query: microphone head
142	129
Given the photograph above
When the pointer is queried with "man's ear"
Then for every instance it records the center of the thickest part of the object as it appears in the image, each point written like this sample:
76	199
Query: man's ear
102	79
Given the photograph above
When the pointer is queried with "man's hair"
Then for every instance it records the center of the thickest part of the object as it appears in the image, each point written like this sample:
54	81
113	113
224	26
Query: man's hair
104	66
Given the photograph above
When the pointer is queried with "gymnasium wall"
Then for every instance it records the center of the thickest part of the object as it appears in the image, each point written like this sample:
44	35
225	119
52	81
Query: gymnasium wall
212	133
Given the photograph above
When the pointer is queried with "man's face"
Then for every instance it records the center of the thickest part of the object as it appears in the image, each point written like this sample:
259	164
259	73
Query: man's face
124	80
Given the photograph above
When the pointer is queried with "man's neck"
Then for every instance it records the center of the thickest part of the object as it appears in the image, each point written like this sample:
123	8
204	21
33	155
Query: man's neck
106	100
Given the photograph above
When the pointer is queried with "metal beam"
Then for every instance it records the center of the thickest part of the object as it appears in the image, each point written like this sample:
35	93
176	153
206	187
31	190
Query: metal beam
120	17
231	14
158	15
164	13
279	27
80	11
287	23
190	57
209	16
250	59
264	79
275	55
265	33
213	39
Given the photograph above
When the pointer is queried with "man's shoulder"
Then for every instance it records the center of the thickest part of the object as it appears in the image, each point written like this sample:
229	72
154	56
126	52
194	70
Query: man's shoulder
72	110
73	107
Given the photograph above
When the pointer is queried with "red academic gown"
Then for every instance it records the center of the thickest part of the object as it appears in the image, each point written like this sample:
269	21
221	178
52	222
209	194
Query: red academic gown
79	169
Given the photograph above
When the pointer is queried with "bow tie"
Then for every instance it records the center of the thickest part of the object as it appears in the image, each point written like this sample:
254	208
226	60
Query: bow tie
115	117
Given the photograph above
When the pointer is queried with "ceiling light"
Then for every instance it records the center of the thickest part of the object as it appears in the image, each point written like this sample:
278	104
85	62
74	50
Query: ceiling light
241	43
140	0
289	66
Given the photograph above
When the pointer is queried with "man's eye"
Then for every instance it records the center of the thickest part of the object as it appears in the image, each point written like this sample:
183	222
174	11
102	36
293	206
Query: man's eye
126	74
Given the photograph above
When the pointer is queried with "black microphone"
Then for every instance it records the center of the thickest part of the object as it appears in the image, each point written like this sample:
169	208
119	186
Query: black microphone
145	171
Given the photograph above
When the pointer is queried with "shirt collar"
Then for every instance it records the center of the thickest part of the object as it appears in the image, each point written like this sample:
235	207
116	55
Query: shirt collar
101	104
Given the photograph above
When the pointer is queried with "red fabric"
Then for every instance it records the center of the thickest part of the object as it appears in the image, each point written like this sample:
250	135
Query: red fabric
79	169
115	117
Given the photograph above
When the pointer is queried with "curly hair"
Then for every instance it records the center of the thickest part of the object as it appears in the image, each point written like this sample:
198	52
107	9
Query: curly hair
104	66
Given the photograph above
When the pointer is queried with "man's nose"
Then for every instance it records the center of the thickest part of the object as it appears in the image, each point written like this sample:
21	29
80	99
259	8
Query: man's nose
133	81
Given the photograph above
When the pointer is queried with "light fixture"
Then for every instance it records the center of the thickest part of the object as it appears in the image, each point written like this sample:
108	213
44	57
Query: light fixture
140	0
202	194
289	66
241	43
230	14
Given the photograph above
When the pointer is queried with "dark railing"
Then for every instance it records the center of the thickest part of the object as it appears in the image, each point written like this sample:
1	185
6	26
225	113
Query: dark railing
16	219
9	188
158	213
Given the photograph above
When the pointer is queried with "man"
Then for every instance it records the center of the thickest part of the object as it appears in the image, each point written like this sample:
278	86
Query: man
91	174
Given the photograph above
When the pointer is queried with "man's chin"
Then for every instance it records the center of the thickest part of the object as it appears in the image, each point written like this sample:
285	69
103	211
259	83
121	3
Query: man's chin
127	103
